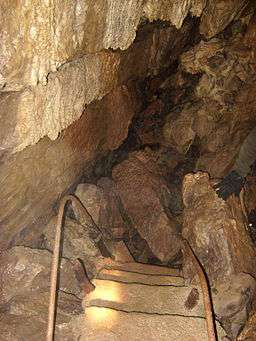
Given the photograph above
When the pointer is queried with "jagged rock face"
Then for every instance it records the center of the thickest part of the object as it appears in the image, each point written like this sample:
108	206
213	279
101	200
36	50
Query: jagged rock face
51	34
249	332
103	205
39	174
49	39
219	13
145	195
216	231
58	103
77	243
233	302
39	110
221	109
25	282
54	64
25	271
173	11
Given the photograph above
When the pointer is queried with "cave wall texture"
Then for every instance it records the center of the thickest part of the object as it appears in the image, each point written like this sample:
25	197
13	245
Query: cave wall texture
67	93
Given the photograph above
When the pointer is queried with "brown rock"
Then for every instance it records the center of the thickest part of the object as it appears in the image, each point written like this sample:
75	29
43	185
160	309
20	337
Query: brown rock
148	127
216	231
42	111
92	198
104	206
25	271
32	180
26	317
174	11
218	14
178	132
77	243
144	194
233	302
36	305
249	331
113	215
71	31
226	84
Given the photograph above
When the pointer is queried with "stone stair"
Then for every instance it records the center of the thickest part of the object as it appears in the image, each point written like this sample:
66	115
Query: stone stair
133	301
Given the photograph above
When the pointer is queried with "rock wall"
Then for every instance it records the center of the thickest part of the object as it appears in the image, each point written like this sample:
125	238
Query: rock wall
32	178
59	58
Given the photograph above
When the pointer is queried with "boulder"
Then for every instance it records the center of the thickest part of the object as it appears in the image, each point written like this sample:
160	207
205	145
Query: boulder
178	131
24	271
233	302
216	231
103	205
77	243
145	195
25	318
113	214
218	14
227	81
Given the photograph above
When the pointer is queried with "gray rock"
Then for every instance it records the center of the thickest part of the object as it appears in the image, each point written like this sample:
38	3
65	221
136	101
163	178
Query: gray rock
24	271
77	243
233	302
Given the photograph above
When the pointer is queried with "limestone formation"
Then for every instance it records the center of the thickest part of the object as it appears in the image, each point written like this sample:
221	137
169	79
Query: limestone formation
25	271
218	14
104	206
77	243
145	195
37	176
124	98
233	302
50	35
179	132
173	11
48	109
227	80
217	233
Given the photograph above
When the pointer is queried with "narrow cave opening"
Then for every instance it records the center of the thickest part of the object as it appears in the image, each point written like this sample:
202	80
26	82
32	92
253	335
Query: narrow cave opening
148	120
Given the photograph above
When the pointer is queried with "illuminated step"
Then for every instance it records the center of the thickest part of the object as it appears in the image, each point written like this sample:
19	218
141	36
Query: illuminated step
133	277
103	324
145	298
145	269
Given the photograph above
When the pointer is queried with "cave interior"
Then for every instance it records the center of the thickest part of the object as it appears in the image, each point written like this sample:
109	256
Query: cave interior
138	109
